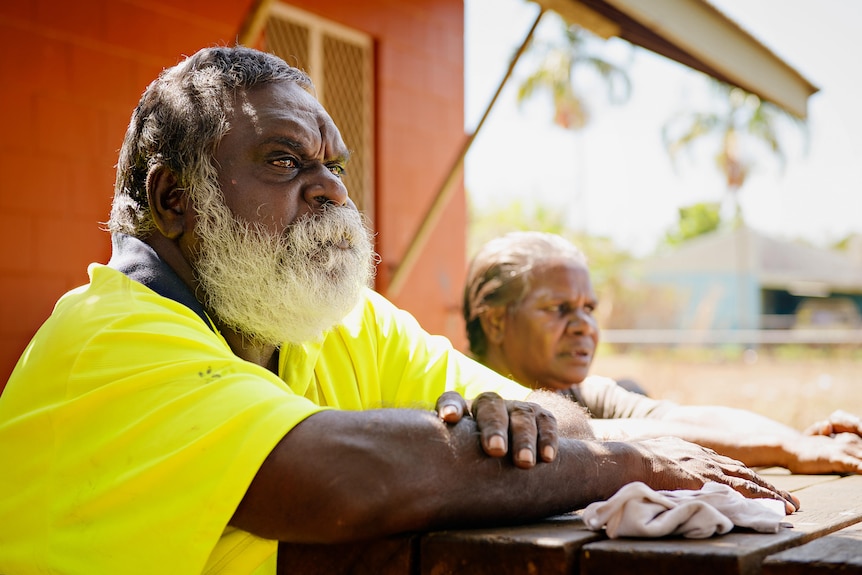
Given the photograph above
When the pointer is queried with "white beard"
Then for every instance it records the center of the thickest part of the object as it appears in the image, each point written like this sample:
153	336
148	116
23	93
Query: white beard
290	288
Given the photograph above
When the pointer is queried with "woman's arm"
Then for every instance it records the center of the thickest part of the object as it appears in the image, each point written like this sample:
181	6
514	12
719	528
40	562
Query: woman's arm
752	438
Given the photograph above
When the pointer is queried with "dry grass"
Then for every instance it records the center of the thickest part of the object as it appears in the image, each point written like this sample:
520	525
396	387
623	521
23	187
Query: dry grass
796	391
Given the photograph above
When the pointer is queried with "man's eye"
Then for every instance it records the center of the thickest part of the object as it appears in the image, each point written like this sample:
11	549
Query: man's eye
336	169
285	163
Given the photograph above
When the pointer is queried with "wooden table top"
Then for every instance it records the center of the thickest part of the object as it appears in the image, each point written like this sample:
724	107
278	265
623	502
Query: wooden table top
824	536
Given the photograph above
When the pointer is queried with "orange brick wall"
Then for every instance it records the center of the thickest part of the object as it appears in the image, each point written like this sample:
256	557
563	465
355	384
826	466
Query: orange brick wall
71	72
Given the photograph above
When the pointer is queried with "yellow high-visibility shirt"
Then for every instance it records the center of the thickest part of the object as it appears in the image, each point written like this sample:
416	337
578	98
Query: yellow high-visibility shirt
379	356
129	431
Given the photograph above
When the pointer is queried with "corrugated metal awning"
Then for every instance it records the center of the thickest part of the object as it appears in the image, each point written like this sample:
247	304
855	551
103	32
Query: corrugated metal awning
696	34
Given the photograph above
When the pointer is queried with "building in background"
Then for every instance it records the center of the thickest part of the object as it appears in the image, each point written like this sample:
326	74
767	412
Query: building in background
737	279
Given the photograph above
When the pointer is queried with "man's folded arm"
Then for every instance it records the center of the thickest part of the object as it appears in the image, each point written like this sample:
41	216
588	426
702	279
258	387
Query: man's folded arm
346	476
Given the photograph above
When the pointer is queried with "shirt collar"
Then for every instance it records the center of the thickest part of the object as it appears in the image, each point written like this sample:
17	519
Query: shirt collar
140	262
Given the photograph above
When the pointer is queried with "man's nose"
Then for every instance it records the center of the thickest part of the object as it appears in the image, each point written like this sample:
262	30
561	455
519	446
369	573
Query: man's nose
325	188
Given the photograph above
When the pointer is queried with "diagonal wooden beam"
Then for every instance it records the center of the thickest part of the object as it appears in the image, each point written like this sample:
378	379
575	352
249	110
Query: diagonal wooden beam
251	27
444	193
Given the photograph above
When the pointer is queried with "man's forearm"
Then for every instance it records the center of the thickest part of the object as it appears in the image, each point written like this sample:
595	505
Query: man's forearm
341	476
403	470
572	419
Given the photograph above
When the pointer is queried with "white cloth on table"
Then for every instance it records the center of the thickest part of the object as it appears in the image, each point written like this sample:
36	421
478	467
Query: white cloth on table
636	510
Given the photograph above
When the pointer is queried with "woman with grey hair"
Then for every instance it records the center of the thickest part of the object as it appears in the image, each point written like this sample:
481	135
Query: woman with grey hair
499	276
529	310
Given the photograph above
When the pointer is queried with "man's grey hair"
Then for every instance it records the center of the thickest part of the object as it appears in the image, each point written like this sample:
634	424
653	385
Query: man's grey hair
500	276
179	122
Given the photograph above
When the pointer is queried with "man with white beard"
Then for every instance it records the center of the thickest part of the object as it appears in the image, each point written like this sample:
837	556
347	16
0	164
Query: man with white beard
229	380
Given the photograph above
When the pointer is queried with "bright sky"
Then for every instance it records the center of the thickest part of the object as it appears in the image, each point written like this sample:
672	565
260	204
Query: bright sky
615	179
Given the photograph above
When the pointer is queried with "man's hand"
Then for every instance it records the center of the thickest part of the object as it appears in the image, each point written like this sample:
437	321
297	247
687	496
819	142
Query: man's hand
674	463
838	422
530	428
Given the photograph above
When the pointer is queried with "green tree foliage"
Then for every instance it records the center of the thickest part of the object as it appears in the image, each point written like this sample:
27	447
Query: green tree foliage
694	220
848	243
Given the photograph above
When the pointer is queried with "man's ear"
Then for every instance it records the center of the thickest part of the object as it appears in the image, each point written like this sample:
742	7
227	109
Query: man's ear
168	202
494	323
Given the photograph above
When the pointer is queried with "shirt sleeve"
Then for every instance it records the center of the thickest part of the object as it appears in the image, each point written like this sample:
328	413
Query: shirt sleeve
426	365
143	431
606	400
380	356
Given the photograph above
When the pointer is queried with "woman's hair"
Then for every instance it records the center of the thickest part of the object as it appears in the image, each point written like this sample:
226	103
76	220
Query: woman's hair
500	273
180	120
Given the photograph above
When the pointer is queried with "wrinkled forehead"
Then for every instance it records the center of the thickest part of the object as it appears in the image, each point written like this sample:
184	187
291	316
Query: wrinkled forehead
556	265
559	275
284	102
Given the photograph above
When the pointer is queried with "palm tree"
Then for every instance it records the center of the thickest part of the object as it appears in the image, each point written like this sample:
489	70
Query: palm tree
563	62
559	60
738	118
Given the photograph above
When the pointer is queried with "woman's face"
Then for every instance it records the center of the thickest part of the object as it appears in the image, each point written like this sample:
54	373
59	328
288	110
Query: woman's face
549	339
